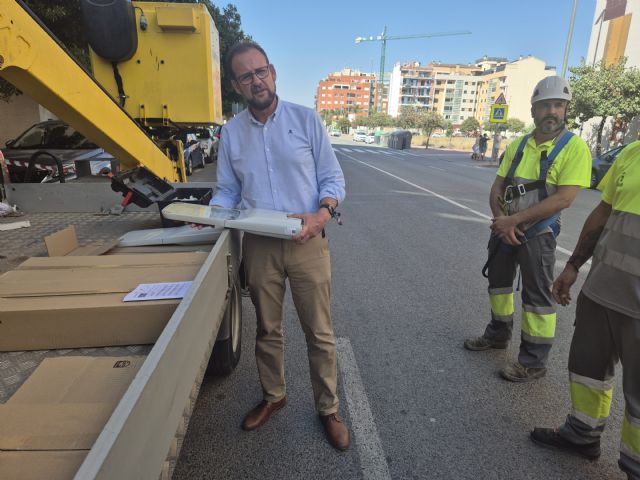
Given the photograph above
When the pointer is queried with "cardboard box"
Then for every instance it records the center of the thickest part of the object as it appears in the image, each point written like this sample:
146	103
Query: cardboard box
74	302
54	465
50	424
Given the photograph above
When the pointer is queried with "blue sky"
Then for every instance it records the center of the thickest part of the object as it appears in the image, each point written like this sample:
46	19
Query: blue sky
306	40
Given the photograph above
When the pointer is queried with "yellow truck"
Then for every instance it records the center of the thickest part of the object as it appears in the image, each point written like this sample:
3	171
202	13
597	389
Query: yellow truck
155	73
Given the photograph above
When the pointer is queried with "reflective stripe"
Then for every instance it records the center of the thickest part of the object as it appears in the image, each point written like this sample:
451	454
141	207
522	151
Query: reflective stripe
500	291
590	405
624	262
625	223
502	305
630	442
596	424
536	340
618	245
591	382
539	325
539	310
503	318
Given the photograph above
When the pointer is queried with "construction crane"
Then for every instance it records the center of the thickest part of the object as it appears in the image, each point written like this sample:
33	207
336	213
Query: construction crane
384	37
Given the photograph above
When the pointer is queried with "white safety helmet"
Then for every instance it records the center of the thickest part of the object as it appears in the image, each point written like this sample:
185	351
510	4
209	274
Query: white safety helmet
551	88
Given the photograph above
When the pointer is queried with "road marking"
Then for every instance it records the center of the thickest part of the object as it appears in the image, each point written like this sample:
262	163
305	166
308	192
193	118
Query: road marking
436	168
373	461
442	197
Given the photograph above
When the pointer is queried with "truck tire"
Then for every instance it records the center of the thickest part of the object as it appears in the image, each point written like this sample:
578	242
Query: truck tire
188	166
226	352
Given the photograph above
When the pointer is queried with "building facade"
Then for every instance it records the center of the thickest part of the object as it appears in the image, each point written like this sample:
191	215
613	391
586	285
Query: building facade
459	91
347	93
615	33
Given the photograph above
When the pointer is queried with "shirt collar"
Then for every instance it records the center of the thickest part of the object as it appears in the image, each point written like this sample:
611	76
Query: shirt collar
545	145
272	117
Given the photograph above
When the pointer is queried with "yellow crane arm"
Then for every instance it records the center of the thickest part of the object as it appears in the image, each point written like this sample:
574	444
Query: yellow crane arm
33	61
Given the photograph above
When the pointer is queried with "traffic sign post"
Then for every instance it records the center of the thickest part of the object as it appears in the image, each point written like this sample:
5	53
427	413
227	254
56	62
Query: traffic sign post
499	114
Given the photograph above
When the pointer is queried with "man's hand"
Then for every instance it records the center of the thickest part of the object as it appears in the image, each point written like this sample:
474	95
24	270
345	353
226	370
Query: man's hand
561	287
200	226
506	229
312	224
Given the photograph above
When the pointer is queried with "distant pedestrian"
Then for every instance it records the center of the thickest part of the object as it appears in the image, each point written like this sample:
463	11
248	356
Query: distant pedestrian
482	144
475	150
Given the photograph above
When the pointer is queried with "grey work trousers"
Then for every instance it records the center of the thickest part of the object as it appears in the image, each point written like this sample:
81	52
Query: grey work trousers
536	259
603	337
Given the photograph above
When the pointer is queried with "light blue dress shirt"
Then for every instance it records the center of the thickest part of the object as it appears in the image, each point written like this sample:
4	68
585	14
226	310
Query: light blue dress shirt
287	164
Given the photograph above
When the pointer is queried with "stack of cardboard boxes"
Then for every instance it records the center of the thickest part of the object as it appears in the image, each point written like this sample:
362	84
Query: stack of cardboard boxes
48	426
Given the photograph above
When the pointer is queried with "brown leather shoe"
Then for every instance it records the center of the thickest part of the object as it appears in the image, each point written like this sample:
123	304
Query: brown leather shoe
336	431
260	414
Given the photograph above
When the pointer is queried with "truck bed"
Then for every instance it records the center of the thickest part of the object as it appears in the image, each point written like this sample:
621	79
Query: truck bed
18	245
167	376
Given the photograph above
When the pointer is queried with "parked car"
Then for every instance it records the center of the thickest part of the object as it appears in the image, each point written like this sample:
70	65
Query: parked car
335	132
209	139
193	153
360	136
370	138
54	140
600	165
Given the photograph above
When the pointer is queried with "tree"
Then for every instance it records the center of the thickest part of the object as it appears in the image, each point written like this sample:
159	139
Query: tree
470	126
603	91
428	121
408	117
380	120
515	125
62	18
344	125
448	128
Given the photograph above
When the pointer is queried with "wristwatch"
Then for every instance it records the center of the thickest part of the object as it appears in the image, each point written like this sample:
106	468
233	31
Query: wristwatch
332	211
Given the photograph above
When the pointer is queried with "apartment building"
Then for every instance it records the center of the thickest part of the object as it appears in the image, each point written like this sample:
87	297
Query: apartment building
350	92
459	91
515	80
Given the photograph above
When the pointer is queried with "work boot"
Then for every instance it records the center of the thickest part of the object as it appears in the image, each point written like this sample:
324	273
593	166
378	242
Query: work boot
550	438
517	373
483	343
260	414
336	431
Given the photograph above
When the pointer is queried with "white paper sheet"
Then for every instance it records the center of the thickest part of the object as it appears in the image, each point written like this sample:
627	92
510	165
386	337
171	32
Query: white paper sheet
157	291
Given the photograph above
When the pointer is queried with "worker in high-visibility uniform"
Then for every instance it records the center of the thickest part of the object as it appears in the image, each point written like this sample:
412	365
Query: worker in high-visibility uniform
539	177
607	320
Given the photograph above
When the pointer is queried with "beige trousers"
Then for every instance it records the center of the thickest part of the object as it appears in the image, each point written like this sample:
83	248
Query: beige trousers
268	263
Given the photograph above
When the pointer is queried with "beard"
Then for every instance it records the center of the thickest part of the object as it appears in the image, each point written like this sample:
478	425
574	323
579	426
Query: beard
259	105
550	124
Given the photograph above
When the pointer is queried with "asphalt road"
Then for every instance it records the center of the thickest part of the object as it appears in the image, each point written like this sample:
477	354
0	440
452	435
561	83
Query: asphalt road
407	290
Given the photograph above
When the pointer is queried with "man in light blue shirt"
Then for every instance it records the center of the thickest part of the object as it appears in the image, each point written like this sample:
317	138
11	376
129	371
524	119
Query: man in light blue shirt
277	155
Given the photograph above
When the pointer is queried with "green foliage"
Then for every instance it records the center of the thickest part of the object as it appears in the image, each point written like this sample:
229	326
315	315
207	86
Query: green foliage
63	18
515	125
470	126
604	90
448	128
344	124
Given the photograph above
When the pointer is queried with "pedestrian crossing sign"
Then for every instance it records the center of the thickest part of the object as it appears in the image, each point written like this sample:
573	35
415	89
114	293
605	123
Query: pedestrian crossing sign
498	113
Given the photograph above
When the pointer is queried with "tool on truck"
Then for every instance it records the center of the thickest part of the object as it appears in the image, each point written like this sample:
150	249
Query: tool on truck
155	74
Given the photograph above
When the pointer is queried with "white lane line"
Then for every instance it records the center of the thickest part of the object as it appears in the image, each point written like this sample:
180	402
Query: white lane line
441	197
436	168
361	150
373	461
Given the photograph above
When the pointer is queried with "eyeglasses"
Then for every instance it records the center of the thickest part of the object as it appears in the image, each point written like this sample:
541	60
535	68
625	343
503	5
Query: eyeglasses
247	78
